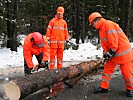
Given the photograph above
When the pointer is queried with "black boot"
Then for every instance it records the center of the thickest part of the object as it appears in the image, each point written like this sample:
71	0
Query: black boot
129	93
100	90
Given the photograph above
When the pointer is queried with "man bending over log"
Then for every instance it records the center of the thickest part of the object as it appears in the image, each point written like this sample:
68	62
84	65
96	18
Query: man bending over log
35	44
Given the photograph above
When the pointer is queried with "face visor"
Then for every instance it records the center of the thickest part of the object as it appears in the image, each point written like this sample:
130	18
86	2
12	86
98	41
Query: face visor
39	45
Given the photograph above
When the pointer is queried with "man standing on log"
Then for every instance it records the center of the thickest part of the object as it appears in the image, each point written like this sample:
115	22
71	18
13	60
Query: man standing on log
35	44
116	51
57	34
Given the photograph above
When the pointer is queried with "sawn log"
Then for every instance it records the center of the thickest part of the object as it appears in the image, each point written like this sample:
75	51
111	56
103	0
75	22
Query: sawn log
71	82
21	87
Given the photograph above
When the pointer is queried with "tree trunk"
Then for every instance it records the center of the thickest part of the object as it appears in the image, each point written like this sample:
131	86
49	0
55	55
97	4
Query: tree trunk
12	42
127	17
76	20
9	25
114	5
23	86
83	27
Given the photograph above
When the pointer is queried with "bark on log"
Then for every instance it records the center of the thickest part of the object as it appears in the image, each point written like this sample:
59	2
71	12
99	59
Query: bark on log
21	87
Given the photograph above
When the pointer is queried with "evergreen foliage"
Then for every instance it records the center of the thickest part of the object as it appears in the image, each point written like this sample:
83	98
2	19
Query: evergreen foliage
34	15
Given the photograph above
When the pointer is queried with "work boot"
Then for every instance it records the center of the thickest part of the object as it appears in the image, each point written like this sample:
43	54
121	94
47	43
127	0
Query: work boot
129	93
100	90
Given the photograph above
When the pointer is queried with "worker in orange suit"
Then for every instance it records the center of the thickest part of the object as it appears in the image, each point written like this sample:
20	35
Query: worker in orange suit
35	44
116	51
57	34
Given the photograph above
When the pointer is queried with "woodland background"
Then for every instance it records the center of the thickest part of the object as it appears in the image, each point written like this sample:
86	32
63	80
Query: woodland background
25	16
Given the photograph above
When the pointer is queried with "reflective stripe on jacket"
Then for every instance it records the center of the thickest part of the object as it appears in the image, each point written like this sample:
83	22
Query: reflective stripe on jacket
112	37
30	49
57	32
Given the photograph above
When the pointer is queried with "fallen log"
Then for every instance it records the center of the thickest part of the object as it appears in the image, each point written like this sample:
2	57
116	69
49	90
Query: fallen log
21	87
73	81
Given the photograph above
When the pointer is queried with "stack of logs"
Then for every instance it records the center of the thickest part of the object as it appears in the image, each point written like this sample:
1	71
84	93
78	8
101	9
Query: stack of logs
21	87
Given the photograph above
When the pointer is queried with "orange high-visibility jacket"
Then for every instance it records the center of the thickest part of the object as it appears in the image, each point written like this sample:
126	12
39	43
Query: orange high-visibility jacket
29	50
57	32
113	37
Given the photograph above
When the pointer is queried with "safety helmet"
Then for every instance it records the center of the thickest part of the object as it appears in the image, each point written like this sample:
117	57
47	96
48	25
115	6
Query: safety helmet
93	16
37	39
60	9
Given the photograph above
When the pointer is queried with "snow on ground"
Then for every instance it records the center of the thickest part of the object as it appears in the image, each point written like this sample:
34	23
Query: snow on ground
86	51
15	59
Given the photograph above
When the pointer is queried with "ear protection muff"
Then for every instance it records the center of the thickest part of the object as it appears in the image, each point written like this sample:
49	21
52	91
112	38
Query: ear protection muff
32	39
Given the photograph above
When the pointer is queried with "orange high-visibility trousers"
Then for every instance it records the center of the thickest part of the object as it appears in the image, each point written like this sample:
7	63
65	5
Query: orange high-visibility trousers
126	70
56	53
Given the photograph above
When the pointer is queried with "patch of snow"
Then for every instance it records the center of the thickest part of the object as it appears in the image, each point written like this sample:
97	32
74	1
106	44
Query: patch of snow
86	52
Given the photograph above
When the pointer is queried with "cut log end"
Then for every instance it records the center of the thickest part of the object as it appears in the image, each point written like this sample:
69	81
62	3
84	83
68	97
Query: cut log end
12	91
